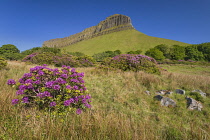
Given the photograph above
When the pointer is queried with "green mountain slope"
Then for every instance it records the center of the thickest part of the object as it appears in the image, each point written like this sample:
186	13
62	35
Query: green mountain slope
125	41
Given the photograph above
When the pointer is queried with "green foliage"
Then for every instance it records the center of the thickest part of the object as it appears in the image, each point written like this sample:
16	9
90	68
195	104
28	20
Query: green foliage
155	53
197	96
165	49
192	53
135	52
10	52
30	51
9	48
43	58
3	63
76	53
132	62
12	56
177	52
66	59
99	57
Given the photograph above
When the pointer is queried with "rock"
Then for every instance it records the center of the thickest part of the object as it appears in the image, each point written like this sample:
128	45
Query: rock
201	92
180	91
111	24
158	97
192	104
165	101
163	92
147	92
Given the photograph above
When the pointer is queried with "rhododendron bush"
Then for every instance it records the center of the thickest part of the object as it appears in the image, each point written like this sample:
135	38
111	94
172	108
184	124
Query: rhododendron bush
133	62
52	89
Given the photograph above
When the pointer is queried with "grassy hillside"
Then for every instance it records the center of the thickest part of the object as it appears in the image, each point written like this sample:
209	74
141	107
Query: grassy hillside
124	40
121	110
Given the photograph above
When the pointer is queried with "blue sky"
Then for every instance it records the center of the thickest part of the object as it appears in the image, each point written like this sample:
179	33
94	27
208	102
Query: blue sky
28	23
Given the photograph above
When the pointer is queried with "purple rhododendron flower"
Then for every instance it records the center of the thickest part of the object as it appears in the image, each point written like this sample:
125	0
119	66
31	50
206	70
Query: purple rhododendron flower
11	82
87	105
56	87
25	99
29	81
64	76
15	101
37	82
49	84
41	73
79	111
52	104
76	87
27	75
19	92
68	87
22	87
60	81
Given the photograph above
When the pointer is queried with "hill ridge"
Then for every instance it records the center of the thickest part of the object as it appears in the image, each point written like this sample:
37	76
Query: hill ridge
114	23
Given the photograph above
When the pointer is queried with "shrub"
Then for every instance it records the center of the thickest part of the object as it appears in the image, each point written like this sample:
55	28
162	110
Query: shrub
133	62
86	61
65	59
3	63
52	89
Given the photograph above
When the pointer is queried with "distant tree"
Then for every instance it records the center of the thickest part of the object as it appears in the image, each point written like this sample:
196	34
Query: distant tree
76	53
192	53
205	49
177	52
165	49
135	52
9	48
155	53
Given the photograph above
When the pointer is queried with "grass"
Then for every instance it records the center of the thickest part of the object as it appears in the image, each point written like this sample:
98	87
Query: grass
121	109
188	69
125	41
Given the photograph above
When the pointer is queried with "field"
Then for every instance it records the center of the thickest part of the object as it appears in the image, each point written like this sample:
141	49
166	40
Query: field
121	109
124	41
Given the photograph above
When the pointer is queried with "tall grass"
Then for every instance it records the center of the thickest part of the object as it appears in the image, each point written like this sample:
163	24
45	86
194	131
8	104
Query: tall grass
121	109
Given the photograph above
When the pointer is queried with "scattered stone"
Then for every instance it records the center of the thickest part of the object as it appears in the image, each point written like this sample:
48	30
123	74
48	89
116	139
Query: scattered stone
147	92
164	92
192	104
165	101
201	92
180	91
158	97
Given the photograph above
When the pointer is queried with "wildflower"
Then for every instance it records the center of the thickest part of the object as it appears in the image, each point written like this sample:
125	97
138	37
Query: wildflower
19	92
52	104
49	84
56	87
25	99
79	111
11	82
15	101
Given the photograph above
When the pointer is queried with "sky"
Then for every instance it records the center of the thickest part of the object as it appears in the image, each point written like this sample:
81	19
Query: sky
28	23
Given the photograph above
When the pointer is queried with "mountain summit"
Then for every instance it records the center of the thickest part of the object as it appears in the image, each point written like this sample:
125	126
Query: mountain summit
114	23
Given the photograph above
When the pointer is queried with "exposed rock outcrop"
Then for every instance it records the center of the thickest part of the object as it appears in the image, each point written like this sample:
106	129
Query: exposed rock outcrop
111	24
192	104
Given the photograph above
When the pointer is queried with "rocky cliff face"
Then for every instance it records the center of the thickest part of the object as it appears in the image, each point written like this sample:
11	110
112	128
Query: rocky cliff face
111	24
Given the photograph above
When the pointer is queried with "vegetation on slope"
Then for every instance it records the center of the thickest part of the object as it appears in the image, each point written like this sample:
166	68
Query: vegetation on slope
121	109
125	41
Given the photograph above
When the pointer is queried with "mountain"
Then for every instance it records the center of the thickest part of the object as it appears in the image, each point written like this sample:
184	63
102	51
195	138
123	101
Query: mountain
116	32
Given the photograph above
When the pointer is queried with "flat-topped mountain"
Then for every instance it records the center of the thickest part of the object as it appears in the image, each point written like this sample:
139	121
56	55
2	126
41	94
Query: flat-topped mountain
116	32
111	24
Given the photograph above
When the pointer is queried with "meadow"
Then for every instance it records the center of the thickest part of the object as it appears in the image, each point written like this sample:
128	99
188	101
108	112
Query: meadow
125	41
120	108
